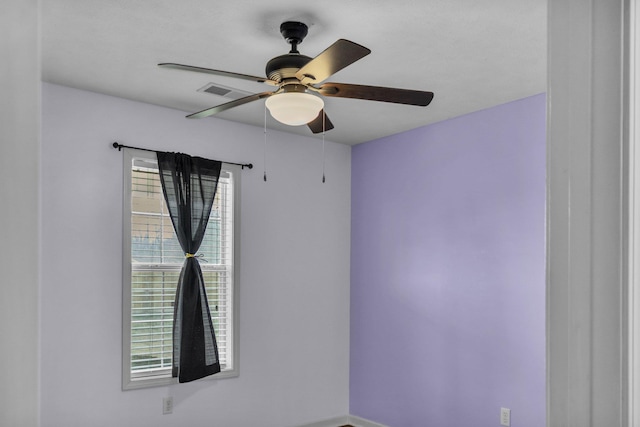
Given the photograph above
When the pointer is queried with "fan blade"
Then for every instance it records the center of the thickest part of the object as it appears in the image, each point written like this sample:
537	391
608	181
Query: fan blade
223	107
217	72
331	60
317	125
376	93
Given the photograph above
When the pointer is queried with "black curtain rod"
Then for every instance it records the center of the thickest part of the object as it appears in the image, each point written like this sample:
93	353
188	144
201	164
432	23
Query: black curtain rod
120	147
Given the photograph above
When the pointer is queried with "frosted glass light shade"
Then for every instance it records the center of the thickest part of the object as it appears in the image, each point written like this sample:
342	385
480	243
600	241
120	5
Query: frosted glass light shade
294	108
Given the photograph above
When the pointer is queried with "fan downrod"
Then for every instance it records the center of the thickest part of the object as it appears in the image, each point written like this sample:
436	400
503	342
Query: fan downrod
294	32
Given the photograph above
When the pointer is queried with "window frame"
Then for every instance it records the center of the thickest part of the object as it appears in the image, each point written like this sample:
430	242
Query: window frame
132	382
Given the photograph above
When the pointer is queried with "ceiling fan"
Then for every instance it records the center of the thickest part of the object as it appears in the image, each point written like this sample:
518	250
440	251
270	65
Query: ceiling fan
298	81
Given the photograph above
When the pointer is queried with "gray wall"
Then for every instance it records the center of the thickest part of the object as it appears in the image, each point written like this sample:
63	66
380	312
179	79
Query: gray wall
294	271
19	248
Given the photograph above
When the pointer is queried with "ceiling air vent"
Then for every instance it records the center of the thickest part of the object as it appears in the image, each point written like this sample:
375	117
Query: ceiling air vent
223	91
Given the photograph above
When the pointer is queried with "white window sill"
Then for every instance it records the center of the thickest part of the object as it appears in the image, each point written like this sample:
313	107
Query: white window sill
165	380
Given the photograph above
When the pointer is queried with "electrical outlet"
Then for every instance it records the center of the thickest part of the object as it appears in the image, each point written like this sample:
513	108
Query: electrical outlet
505	417
167	405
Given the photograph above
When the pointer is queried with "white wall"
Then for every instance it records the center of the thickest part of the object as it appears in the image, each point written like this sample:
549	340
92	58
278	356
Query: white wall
19	149
294	295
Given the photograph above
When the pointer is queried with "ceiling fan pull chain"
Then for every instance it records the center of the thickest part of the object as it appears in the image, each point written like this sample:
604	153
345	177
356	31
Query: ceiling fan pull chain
323	133
265	143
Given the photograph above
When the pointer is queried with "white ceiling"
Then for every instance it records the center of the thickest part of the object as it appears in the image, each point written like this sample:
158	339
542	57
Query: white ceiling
471	54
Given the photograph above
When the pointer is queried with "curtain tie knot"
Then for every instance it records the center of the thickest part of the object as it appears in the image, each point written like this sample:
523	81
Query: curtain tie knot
199	256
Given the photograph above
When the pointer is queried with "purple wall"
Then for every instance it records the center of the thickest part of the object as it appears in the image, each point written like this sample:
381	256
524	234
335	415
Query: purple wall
448	272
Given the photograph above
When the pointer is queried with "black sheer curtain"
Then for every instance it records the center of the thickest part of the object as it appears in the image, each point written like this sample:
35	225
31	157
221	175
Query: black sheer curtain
189	185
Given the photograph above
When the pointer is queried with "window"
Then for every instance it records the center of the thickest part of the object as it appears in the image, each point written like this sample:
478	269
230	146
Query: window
151	265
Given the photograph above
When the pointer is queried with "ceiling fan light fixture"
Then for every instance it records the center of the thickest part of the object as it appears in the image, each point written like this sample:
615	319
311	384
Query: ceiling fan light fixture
294	108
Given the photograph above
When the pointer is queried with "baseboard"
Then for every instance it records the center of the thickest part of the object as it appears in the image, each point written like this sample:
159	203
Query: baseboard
361	422
345	420
333	422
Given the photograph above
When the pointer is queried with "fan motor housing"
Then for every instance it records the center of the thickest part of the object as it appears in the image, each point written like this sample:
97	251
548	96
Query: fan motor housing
285	66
